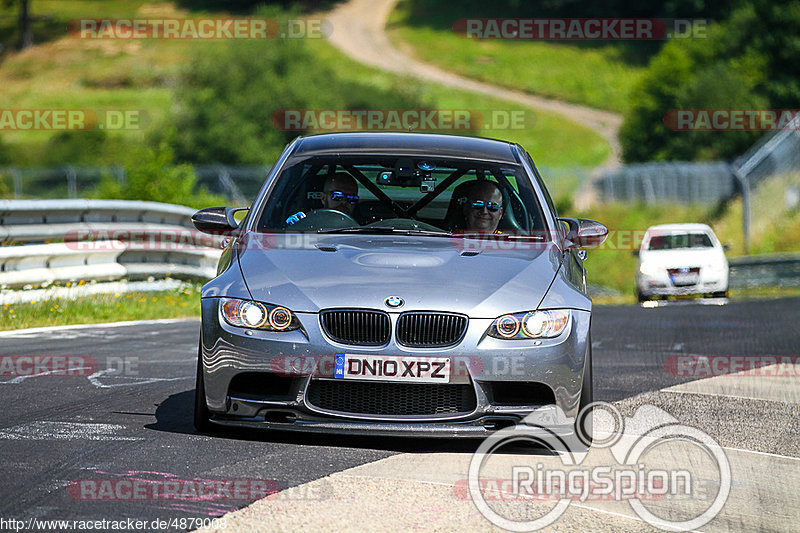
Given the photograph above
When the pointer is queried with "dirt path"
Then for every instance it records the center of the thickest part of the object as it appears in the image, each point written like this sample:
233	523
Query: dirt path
358	31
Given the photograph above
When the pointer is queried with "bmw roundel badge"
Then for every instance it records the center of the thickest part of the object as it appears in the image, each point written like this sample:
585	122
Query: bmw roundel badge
394	301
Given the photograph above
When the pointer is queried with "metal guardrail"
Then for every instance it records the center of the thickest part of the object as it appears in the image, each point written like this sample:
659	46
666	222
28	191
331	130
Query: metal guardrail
52	241
769	270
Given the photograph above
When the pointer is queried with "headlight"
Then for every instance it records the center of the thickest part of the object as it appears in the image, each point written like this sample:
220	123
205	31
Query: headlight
530	325
650	269
249	314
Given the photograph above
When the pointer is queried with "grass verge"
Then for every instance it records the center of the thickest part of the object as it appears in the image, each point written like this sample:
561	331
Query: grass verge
62	72
552	140
178	303
598	76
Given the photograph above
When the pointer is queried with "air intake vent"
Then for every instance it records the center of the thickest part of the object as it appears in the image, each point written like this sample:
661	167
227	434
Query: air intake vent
430	330
356	327
392	399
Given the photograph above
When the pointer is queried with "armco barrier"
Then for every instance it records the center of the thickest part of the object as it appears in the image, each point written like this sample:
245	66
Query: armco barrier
41	241
771	270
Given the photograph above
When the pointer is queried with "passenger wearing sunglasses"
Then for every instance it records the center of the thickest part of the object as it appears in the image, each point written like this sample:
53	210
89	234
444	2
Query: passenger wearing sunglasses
340	192
483	208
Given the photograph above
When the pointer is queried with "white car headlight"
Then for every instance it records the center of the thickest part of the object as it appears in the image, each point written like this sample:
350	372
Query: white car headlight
650	269
530	325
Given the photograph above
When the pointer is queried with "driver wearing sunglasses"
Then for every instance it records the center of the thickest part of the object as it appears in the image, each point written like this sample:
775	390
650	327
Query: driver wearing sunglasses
340	192
484	207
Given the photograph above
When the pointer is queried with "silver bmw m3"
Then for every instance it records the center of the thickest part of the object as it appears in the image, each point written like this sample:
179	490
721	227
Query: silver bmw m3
396	284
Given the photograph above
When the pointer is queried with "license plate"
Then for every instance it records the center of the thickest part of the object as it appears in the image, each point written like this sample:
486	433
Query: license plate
392	368
685	279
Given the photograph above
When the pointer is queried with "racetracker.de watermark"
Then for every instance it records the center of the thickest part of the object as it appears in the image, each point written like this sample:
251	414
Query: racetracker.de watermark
136	488
401	119
72	119
462	241
198	29
47	365
706	366
732	119
19	367
580	29
115	238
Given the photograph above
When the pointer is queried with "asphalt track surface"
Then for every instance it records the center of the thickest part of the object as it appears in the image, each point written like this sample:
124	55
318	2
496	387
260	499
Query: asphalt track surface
135	422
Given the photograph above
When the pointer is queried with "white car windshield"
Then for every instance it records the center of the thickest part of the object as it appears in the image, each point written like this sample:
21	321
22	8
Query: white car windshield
676	241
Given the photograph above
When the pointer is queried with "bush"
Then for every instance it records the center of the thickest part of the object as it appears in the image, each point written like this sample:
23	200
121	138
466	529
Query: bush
227	97
747	62
152	175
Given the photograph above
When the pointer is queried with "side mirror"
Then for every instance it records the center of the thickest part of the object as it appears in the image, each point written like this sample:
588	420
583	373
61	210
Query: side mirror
635	253
584	233
726	247
217	220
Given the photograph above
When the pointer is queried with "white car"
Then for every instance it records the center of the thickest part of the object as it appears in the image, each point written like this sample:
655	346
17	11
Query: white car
676	259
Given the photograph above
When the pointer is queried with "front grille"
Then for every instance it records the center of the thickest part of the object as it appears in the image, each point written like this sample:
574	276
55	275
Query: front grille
357	327
427	330
391	399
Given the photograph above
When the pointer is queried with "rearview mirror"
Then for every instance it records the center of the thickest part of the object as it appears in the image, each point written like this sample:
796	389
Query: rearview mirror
584	233
217	220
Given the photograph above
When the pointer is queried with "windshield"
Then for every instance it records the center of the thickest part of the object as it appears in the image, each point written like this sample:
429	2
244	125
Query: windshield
395	194
680	240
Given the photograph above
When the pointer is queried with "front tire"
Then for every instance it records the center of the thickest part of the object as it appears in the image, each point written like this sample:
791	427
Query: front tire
201	414
584	422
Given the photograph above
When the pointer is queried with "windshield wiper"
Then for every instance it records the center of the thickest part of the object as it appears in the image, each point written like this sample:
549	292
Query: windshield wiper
386	230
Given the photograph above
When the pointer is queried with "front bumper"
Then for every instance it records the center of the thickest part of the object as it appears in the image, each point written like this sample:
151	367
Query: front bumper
661	285
487	365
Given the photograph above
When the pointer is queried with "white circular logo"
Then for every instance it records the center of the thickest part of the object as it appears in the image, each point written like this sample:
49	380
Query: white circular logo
394	301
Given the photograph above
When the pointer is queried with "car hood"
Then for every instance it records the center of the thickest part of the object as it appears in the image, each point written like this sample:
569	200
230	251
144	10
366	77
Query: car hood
307	272
690	257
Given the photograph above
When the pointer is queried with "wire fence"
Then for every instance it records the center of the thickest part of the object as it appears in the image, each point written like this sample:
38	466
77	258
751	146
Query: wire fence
705	183
240	184
776	153
673	182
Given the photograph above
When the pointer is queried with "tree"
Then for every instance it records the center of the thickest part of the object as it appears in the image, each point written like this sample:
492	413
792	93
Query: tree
749	61
25	27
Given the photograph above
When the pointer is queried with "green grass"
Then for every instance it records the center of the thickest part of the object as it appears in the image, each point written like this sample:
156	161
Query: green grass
597	76
62	72
178	303
774	227
551	140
